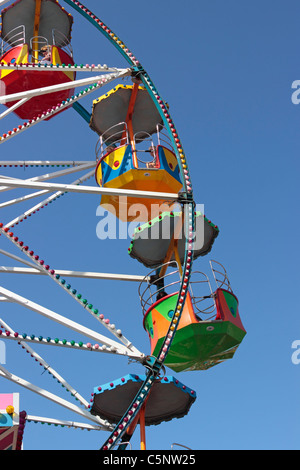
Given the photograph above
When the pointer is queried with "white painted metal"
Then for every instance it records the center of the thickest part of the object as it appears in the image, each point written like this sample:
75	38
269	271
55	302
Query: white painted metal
59	108
59	68
47	366
52	163
40	204
60	343
21	260
27	197
62	86
45	201
16	183
64	423
2	2
83	274
129	350
56	174
13	108
56	399
100	318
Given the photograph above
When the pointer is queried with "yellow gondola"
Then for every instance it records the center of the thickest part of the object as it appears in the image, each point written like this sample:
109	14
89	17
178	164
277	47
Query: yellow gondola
133	152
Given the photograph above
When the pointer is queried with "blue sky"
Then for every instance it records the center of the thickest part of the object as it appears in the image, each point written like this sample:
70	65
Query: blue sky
226	69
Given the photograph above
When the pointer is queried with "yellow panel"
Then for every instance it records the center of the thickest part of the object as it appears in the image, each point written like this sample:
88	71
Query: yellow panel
171	159
55	59
124	208
114	90
148	180
99	175
141	180
114	160
21	59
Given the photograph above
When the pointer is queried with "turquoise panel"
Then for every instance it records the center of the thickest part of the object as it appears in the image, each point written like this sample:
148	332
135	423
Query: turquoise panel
5	420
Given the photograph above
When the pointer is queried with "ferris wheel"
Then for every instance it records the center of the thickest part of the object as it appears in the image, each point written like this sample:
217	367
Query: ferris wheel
141	174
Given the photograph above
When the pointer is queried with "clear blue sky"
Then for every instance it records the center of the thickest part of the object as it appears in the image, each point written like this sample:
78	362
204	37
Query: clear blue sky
226	69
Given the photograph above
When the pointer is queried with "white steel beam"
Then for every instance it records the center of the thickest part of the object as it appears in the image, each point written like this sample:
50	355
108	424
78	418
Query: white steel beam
55	174
56	399
2	2
60	87
99	317
50	314
47	163
46	201
63	423
57	342
40	204
17	258
58	68
13	108
60	107
82	274
47	366
27	197
16	183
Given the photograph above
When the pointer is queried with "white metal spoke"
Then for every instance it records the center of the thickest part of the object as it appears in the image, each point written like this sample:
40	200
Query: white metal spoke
64	105
17	258
50	314
16	183
60	87
76	274
63	423
100	318
58	68
13	108
52	397
46	201
47	163
27	197
2	2
56	174
57	342
47	367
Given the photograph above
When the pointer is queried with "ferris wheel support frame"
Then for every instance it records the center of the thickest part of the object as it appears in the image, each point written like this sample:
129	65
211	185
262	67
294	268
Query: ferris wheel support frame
63	423
55	174
72	101
46	366
63	86
154	365
82	274
126	348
